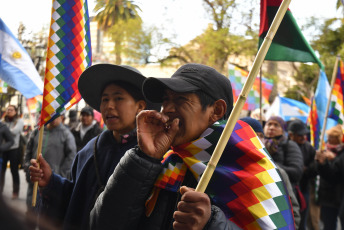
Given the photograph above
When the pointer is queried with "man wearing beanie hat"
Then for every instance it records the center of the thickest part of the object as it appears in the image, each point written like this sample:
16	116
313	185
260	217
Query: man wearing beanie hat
285	152
152	188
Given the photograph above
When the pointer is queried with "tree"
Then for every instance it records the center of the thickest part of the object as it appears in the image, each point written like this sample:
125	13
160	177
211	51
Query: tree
217	43
114	12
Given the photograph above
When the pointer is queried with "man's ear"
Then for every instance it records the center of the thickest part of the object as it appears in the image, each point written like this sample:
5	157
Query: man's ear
141	105
219	110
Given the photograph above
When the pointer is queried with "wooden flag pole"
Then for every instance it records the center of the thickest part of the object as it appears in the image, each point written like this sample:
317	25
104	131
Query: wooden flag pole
227	132
334	73
39	150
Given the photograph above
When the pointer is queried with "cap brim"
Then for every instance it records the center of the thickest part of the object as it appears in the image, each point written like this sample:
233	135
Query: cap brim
153	88
94	79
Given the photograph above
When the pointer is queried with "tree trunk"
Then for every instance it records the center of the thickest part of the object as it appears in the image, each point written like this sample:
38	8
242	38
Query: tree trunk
118	51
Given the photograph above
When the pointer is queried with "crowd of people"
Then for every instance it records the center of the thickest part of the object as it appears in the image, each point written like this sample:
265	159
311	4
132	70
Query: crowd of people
119	178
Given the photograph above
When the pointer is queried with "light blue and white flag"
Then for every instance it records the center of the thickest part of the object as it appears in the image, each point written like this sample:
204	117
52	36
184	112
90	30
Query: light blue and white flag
288	109
321	96
16	66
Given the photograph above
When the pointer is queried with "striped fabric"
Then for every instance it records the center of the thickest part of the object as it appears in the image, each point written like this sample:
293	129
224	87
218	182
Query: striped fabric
314	125
246	184
238	77
68	55
337	105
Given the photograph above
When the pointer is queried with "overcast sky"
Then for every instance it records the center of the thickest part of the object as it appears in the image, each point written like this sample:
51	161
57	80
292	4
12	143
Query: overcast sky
186	18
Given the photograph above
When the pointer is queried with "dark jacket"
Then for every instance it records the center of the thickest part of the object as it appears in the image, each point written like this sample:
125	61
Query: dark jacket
93	132
333	171
122	204
71	201
289	157
331	189
309	171
6	138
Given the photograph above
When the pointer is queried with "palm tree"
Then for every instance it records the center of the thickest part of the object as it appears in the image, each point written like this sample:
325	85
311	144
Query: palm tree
340	4
110	13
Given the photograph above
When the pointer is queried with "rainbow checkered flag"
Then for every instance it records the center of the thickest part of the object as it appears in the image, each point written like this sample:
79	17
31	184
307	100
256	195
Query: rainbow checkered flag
246	183
337	105
314	125
238	77
68	55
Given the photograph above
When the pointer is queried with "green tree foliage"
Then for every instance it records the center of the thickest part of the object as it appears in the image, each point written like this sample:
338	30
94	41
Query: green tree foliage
121	15
214	46
329	42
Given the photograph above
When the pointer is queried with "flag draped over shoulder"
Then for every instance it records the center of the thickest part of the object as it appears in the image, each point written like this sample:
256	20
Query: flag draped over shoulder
238	78
289	43
288	109
16	66
246	184
337	106
68	55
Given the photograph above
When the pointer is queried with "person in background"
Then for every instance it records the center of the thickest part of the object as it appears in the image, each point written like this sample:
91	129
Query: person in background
58	149
331	193
6	141
333	171
115	91
73	119
87	129
297	132
257	127
15	125
285	152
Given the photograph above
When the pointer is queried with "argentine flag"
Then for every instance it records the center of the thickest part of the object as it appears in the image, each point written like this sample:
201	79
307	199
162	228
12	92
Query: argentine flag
288	109
16	66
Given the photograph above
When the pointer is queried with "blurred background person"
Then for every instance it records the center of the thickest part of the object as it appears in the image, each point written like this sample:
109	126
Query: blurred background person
297	132
286	153
330	191
6	140
15	125
73	119
58	149
86	129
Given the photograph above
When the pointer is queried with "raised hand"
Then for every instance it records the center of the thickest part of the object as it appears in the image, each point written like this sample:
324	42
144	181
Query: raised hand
194	210
42	174
155	132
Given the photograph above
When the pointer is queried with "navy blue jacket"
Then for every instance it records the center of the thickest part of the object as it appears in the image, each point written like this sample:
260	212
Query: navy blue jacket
72	201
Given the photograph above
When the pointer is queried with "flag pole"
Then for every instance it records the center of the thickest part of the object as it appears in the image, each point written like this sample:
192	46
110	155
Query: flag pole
260	97
334	73
39	150
206	176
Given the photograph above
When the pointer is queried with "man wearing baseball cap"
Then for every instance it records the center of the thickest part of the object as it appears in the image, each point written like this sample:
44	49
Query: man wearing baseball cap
297	132
151	187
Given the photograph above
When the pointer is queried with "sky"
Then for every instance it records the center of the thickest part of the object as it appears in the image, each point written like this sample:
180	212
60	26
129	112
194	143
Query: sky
184	18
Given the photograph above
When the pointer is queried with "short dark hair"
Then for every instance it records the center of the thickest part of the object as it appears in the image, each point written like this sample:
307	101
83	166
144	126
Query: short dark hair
206	100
